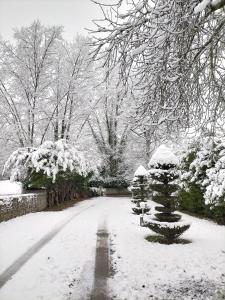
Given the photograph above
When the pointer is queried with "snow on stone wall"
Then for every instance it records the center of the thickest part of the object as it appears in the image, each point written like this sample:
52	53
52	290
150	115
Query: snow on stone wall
18	205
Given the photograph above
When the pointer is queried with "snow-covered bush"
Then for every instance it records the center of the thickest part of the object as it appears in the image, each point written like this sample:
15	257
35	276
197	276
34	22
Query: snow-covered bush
109	182
18	163
57	166
50	159
196	161
163	174
115	182
203	177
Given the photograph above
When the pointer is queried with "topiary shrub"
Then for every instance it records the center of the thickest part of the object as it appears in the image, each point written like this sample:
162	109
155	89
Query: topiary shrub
171	231
163	175
139	191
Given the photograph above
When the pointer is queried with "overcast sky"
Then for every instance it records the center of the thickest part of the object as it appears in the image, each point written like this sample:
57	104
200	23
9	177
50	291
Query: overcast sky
74	15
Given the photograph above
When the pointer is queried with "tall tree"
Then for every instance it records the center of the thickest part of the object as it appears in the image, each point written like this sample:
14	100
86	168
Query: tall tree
69	87
26	75
109	126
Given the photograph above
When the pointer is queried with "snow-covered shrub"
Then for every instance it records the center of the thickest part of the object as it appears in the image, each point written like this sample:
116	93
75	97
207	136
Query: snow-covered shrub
196	161
139	190
57	166
115	182
215	177
100	178
50	159
191	196
203	178
18	163
164	174
95	182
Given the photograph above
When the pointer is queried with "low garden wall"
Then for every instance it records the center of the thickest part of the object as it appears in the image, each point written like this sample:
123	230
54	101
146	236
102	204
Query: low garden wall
116	192
18	205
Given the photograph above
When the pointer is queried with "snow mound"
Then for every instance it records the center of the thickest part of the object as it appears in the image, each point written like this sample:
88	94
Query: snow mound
163	156
10	188
141	171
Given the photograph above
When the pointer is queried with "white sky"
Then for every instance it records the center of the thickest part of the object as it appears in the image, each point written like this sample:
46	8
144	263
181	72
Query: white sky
74	15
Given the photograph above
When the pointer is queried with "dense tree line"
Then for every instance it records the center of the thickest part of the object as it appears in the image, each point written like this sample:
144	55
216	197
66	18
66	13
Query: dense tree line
50	89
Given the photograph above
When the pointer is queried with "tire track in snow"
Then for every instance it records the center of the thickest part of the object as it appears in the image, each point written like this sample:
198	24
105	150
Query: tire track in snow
100	290
19	262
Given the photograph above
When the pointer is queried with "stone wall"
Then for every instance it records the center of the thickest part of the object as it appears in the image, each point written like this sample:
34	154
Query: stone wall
18	205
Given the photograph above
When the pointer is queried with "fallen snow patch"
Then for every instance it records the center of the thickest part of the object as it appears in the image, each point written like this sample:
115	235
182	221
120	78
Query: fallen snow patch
10	188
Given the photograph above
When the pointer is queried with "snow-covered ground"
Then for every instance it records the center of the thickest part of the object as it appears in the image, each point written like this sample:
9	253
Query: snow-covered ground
63	268
10	188
145	270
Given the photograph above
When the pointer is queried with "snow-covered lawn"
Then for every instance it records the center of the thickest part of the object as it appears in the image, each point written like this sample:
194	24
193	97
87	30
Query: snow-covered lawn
145	270
64	268
10	188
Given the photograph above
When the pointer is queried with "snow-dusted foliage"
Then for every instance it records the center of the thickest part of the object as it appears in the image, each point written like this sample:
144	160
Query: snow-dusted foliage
197	160
163	48
50	159
53	157
141	171
163	167
204	164
212	4
163	155
18	163
215	190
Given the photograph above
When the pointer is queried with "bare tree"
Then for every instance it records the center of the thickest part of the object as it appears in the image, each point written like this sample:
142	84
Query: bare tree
110	127
70	76
26	74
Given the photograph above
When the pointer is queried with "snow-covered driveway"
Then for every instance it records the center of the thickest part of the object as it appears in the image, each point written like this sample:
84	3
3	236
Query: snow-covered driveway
64	267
